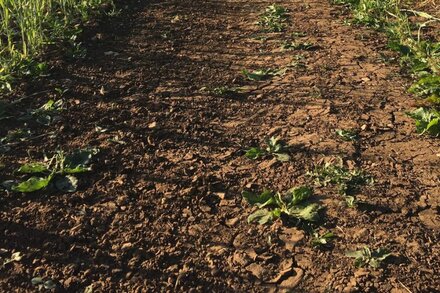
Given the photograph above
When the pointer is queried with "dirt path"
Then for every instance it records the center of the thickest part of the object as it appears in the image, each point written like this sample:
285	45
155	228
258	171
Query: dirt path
162	210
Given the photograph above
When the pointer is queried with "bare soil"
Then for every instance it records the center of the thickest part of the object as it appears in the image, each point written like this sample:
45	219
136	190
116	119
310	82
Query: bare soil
162	210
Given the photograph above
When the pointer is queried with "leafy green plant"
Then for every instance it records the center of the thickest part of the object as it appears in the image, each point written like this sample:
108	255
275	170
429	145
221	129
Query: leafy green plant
59	170
421	56
16	256
294	203
306	46
427	121
19	134
346	180
47	113
27	27
275	148
262	74
366	257
429	87
351	201
274	18
224	91
322	240
347	134
41	283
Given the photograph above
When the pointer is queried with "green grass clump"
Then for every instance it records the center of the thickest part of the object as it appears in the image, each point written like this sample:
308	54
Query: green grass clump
274	18
420	55
27	26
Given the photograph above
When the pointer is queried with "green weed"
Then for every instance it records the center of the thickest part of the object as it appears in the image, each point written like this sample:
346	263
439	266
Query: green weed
347	134
347	181
322	240
15	257
366	257
47	113
262	74
28	26
273	19
16	135
293	45
427	121
59	170
421	56
294	203
224	91
275	148
41	283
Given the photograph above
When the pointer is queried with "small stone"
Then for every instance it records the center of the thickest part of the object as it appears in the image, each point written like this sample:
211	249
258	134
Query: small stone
290	283
256	270
231	222
126	246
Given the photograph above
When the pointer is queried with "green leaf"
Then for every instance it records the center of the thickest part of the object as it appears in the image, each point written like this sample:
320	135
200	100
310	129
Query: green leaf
366	257
298	195
76	162
261	200
77	169
282	157
350	201
433	127
355	253
32	184
254	153
381	254
428	85
263	216
33	168
257	75
308	212
66	183
347	135
427	121
322	240
274	145
49	284
37	280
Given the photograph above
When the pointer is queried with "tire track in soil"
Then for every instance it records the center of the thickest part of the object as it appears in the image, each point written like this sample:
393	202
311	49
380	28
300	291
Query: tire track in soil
163	212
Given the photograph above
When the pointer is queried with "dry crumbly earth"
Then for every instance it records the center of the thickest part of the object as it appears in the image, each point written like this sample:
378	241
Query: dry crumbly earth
162	210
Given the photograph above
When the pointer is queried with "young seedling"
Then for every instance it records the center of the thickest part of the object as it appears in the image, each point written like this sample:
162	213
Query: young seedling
351	201
262	74
46	114
293	204
366	257
427	121
273	19
275	148
299	62
16	256
16	135
43	284
347	181
322	240
59	170
347	134
305	46
224	91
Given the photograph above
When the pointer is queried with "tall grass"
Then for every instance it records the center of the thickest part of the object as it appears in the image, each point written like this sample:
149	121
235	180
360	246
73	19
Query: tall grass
28	26
420	54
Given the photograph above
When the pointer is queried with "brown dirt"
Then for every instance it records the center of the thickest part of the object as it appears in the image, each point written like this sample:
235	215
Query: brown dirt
162	211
